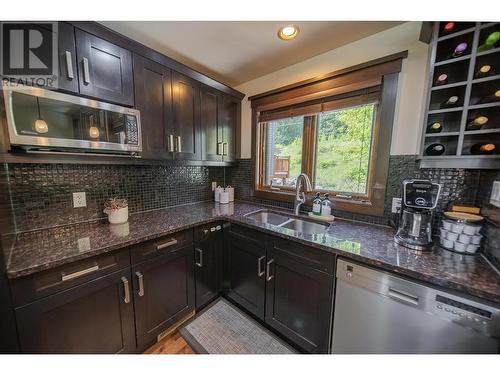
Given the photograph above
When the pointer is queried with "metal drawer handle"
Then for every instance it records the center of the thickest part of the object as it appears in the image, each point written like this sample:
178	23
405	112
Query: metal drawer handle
269	276
200	252
126	289
86	72
84	272
260	271
166	244
171	143
140	279
69	65
403	296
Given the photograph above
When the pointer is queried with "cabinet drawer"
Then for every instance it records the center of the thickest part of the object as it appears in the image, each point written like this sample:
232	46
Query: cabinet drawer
206	231
318	259
42	284
160	246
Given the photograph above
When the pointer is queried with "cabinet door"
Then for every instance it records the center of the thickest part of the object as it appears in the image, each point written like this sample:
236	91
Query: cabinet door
299	301
153	92
246	273
105	70
96	317
230	119
163	293
68	72
186	116
211	127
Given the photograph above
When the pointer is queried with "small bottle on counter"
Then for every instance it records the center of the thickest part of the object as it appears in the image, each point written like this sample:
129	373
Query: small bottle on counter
317	205
326	206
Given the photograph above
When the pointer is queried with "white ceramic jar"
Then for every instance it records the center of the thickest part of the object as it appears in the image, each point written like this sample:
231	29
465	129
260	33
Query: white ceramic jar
119	216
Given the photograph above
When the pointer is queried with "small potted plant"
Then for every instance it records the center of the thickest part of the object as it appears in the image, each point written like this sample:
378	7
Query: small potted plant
117	210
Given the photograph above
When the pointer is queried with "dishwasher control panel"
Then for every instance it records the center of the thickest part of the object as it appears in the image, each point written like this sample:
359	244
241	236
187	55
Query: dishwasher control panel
459	309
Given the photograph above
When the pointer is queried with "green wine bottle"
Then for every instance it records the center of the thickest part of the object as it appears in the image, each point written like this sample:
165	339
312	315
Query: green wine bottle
490	41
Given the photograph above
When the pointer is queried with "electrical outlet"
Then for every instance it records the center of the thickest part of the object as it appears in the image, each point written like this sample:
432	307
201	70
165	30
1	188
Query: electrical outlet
396	205
495	194
214	185
79	200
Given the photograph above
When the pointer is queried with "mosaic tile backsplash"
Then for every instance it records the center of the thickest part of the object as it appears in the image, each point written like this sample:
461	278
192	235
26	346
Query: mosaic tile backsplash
35	196
41	194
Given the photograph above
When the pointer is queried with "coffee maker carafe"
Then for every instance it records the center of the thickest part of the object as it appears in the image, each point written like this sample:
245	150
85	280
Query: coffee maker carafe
419	200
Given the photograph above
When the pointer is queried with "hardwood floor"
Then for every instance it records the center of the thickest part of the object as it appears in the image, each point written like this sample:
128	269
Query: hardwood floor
172	344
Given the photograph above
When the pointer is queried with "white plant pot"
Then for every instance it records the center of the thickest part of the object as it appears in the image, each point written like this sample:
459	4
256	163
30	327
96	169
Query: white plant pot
118	216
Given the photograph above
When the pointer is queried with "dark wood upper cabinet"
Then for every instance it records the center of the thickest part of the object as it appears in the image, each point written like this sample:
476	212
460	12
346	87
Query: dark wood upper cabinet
163	293
95	317
186	117
105	70
153	93
211	108
299	300
68	71
246	272
230	119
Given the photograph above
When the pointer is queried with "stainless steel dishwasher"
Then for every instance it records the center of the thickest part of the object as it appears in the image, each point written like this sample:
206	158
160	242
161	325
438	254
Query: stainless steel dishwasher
377	312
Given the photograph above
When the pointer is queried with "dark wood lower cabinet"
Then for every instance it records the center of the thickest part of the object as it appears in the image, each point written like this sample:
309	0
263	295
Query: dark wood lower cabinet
299	301
207	267
163	293
246	273
95	317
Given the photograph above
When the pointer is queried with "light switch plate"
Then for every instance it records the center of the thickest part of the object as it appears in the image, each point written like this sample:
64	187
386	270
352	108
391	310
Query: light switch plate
495	194
79	200
396	205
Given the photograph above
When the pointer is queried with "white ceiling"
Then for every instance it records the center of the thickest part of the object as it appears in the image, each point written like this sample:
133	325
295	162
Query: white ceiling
236	52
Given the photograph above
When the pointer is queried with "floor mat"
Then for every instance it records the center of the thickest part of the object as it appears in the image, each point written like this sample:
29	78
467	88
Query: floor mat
224	329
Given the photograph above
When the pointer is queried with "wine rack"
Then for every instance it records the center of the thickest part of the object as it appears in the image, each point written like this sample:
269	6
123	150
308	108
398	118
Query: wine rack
463	99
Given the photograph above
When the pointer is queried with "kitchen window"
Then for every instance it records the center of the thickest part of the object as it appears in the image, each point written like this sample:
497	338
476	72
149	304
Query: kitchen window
336	130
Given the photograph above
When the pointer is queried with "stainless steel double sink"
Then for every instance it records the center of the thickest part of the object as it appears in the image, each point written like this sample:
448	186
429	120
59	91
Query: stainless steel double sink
289	222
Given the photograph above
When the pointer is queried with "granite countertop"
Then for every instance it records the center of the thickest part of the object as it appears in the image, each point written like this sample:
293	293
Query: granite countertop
370	244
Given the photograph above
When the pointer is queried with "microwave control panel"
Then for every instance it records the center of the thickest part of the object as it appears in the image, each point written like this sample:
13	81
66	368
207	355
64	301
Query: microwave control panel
132	130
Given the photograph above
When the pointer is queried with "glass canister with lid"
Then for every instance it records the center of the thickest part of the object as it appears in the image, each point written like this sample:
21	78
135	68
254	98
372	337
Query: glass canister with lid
461	232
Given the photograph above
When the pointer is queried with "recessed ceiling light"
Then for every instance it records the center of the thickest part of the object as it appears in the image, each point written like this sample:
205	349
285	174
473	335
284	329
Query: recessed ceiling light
288	32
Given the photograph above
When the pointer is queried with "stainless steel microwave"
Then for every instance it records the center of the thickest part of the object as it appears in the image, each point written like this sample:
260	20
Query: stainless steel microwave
46	120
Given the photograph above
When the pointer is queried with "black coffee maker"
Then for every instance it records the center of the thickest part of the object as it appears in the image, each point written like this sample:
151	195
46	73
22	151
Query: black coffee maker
419	200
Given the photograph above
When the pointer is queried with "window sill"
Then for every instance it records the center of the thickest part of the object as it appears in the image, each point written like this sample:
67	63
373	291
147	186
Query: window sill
348	205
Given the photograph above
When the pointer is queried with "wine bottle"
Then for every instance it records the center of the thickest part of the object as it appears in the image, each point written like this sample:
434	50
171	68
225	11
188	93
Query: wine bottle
490	41
441	79
435	149
483	149
448	27
435	127
459	49
495	96
476	123
451	101
484	71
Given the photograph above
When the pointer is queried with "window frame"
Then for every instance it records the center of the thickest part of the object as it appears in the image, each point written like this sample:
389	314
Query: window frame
388	69
310	143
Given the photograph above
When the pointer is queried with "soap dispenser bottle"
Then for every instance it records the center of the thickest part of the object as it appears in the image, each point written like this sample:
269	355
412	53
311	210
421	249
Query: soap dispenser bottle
326	206
317	205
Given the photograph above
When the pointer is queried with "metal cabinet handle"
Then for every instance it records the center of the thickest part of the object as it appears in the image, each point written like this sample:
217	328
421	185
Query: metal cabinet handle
224	149
84	272
140	279
220	147
69	65
269	276
260	270
171	143
179	148
166	244
126	289
86	72
200	252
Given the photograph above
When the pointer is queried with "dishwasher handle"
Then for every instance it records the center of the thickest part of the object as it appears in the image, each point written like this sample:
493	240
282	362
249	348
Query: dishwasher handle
402	296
